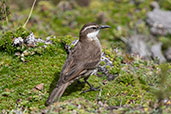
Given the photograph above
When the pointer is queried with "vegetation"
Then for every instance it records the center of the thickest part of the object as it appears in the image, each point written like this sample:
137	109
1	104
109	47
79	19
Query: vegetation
139	86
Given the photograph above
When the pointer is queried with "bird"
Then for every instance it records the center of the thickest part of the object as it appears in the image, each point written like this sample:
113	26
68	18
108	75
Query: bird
84	57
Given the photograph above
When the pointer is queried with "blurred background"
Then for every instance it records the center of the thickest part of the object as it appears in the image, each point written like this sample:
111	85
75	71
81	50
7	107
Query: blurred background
147	21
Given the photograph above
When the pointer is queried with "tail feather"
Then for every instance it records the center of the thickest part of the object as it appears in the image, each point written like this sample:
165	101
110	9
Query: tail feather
56	94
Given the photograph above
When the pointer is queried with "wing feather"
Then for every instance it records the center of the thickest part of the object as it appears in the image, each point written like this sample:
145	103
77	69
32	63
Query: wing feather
78	61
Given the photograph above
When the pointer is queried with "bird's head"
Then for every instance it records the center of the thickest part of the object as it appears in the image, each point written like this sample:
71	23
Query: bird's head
91	30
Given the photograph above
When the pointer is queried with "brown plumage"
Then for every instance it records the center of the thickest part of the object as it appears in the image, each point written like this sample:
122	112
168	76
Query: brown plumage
84	57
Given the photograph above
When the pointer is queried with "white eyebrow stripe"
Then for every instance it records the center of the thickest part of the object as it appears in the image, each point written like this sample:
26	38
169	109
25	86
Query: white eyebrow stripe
88	27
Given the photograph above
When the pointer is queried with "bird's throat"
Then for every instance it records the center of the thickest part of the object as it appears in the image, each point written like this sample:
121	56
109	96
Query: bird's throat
93	35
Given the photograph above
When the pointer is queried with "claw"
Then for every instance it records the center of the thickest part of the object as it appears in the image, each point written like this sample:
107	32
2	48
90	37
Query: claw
91	89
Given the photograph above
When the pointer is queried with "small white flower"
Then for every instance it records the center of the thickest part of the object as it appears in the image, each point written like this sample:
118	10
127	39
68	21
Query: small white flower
45	46
48	38
22	55
31	39
22	59
47	43
18	40
40	40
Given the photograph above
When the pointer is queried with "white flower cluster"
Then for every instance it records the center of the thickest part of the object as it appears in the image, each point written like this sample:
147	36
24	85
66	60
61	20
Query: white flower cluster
18	41
32	41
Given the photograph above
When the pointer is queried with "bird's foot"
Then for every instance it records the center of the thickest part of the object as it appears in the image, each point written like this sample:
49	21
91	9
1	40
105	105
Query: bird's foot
91	89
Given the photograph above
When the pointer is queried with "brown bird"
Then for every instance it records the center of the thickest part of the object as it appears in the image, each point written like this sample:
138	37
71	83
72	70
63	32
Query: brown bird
82	59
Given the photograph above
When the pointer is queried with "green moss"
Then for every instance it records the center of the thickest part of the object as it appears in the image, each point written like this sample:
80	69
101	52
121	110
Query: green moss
6	40
6	43
165	4
130	90
102	63
21	32
166	42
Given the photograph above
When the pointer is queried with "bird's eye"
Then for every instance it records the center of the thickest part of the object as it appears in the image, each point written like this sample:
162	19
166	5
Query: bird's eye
94	28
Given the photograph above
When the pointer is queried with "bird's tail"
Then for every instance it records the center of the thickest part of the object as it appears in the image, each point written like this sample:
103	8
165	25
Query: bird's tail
56	93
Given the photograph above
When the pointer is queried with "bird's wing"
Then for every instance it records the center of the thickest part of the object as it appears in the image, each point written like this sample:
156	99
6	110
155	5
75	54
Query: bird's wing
73	66
70	71
77	62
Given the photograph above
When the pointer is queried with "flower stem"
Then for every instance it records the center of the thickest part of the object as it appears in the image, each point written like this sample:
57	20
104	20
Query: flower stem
29	14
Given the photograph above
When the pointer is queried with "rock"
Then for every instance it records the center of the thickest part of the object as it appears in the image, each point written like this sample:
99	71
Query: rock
159	21
168	54
39	86
136	45
157	53
154	5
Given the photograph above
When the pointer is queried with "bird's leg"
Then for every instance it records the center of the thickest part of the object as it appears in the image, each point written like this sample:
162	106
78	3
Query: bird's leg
92	88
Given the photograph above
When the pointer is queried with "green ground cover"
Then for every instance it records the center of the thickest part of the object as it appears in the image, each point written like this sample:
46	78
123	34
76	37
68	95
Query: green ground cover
139	86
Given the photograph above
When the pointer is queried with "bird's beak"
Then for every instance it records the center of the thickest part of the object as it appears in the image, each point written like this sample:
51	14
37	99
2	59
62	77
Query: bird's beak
104	26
